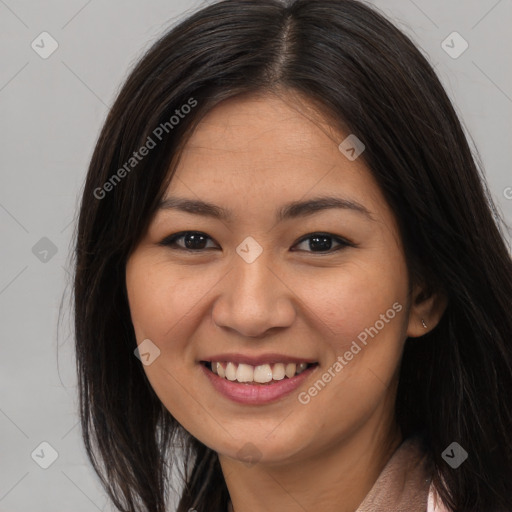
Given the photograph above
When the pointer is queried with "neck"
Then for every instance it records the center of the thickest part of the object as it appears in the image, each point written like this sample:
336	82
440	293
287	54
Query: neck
335	479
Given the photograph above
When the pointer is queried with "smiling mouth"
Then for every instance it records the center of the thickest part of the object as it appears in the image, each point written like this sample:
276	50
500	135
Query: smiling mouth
262	374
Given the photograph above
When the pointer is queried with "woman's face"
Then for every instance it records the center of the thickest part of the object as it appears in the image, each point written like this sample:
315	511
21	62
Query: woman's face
279	279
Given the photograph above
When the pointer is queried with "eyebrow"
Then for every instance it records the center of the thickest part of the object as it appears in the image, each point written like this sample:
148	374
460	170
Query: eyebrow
290	210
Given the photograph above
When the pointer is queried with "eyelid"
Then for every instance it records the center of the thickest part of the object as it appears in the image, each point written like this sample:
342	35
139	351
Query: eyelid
170	240
342	241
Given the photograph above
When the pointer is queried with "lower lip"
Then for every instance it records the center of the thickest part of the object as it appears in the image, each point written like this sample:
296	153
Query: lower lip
256	394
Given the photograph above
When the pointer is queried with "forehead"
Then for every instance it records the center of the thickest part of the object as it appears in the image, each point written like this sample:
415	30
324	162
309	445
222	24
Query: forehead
254	152
284	127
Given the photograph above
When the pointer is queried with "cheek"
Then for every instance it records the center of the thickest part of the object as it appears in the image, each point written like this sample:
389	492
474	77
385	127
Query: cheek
162	299
349	300
363	322
164	305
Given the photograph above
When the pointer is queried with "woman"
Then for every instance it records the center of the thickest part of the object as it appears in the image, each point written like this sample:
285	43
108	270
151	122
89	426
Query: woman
283	221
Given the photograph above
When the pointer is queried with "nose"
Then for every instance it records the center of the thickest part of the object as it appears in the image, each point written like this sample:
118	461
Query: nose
253	299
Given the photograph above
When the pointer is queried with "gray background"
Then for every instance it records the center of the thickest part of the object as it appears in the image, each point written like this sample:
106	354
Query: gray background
51	111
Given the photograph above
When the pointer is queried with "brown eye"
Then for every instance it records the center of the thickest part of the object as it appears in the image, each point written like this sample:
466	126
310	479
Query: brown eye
322	242
192	241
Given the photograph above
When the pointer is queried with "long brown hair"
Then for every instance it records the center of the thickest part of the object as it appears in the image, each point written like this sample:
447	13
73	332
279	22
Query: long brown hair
367	76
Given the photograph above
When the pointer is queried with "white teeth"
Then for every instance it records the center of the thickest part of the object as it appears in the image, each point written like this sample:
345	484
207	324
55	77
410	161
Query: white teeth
231	371
301	367
290	370
244	373
261	374
278	372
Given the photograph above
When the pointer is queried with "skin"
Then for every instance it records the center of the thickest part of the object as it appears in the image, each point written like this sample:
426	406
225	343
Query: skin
251	155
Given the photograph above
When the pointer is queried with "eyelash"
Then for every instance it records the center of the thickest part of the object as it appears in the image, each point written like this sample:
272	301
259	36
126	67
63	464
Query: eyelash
170	241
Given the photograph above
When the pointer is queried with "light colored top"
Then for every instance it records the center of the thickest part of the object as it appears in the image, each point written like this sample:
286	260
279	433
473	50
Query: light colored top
404	485
435	503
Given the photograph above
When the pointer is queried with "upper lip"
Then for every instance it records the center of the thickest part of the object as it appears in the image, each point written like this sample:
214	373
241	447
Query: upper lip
257	360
